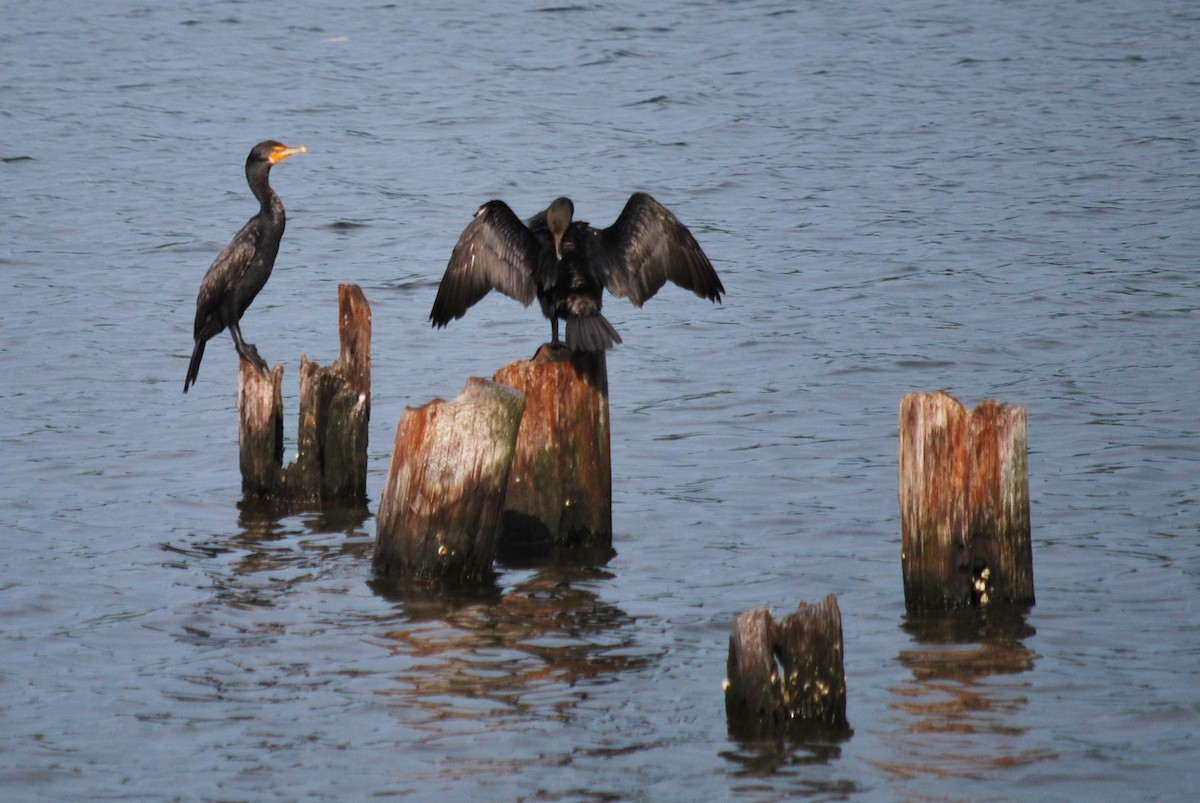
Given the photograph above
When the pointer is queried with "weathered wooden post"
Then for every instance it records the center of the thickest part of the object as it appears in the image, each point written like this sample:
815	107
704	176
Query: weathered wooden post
260	429
787	678
335	410
335	413
810	653
753	698
560	489
440	513
964	504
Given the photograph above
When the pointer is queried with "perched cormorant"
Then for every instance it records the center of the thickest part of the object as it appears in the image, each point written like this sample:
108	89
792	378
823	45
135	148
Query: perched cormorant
566	264
243	266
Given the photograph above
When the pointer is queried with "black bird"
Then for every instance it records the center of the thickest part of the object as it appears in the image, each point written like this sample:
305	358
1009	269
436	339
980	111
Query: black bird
566	264
243	266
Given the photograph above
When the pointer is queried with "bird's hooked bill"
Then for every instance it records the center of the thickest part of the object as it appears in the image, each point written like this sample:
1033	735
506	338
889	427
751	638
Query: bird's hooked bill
279	154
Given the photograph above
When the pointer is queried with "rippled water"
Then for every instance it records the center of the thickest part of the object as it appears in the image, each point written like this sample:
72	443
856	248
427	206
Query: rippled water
996	199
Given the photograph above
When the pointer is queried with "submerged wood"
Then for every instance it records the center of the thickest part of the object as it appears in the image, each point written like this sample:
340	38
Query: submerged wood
964	504
335	412
560	489
440	513
786	677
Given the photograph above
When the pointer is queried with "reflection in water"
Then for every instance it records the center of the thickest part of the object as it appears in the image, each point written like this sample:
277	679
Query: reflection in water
271	554
541	642
259	518
1001	625
783	756
957	711
452	665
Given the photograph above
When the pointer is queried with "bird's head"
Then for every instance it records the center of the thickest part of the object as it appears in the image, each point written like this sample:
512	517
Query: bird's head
271	152
558	220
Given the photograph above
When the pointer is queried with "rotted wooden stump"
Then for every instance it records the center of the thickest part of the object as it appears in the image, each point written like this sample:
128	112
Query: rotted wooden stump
260	429
441	509
964	504
753	694
560	489
787	678
335	412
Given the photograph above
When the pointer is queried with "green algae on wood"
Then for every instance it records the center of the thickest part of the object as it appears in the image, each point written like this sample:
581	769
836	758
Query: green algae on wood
560	490
441	508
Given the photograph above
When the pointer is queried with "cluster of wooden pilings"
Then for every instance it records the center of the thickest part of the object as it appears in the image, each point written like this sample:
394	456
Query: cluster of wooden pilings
517	466
335	411
520	465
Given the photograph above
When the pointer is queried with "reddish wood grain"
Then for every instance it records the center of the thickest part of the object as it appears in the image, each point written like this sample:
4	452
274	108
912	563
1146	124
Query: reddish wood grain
441	508
560	490
964	503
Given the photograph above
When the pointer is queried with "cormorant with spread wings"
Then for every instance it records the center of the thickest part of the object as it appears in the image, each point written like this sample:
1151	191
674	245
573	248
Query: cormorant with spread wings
567	264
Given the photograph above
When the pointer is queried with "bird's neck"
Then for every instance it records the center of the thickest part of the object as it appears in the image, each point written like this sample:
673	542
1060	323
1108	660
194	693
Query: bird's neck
267	199
271	214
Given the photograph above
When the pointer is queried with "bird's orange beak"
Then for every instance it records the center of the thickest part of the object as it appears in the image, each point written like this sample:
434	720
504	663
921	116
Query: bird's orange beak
281	153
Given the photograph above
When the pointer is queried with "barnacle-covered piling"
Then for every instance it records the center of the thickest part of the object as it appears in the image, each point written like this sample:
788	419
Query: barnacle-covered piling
788	677
964	504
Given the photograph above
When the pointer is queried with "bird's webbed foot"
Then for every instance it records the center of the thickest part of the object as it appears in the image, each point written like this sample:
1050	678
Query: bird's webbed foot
247	351
250	352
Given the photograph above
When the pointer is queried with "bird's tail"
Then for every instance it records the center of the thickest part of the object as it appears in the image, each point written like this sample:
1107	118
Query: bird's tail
591	333
194	365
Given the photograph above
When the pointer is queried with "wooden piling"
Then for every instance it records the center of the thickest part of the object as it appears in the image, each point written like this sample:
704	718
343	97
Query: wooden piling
560	489
964	504
335	411
787	678
753	698
260	429
440	513
809	647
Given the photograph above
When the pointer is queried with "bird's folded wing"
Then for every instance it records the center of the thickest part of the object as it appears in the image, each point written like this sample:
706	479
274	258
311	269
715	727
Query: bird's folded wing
225	275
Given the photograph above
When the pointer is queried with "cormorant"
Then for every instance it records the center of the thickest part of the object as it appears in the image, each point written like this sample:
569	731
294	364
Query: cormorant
567	264
243	266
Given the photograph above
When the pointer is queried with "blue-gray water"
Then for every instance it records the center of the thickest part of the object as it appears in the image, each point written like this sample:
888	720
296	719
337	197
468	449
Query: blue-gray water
998	199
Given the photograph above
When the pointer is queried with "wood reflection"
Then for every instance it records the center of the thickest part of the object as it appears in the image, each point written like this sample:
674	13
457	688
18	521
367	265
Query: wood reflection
273	554
547	635
957	716
967	664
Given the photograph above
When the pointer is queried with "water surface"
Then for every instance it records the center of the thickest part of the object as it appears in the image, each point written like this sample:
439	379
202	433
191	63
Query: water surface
995	199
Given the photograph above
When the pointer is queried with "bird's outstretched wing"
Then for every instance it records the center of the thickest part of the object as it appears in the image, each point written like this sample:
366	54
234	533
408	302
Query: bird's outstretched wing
646	247
495	251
